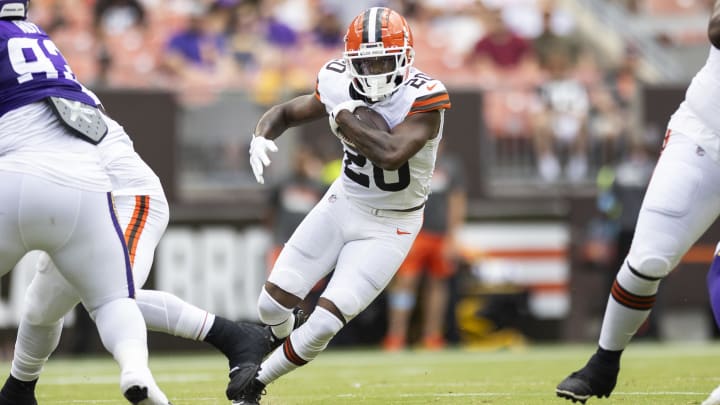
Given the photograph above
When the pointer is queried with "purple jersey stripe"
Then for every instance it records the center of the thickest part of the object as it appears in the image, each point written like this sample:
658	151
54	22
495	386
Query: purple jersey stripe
128	267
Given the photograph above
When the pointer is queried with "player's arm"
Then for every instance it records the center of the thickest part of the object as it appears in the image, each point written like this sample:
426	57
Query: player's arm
291	113
714	25
390	151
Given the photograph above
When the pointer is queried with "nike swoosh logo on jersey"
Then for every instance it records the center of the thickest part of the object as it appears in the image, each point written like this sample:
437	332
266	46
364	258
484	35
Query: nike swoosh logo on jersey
401	232
429	87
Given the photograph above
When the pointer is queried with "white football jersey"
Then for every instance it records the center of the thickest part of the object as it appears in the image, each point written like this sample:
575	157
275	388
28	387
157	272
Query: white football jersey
703	94
34	141
408	186
697	117
129	174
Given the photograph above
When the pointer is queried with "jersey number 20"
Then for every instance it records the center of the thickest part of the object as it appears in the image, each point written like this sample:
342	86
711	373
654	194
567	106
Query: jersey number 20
378	174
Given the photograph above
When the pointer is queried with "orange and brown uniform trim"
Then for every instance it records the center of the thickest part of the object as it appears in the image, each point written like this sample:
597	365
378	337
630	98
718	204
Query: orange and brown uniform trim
137	224
430	102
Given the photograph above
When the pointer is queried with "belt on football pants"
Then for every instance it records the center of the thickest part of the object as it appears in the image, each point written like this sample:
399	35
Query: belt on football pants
392	212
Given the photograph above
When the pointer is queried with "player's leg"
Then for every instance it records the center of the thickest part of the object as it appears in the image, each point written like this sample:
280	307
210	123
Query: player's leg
713	284
307	257
364	268
402	296
48	299
144	219
95	262
12	249
681	202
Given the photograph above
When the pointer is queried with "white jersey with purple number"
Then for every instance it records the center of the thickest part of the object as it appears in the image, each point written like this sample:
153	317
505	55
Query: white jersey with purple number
401	189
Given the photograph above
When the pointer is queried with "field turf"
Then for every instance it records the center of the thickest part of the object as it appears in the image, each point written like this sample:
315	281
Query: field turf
650	374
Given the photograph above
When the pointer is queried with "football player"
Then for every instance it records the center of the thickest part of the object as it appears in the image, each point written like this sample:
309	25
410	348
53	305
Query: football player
367	221
681	202
142	216
55	195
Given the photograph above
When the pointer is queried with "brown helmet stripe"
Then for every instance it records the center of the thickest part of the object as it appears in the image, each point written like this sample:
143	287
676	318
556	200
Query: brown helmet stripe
378	23
365	26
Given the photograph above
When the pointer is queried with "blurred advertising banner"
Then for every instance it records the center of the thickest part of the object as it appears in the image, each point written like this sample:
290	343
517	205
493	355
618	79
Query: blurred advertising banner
220	269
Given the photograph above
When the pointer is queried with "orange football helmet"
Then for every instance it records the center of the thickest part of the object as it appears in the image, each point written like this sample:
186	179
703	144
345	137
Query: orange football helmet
379	52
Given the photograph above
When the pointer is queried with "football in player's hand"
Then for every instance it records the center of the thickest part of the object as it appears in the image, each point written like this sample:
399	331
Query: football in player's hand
368	115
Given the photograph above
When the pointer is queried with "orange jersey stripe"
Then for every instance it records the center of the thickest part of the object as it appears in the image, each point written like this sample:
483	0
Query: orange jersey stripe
136	225
432	102
420	102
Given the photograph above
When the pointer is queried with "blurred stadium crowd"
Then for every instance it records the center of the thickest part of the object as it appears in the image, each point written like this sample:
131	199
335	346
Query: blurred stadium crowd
547	84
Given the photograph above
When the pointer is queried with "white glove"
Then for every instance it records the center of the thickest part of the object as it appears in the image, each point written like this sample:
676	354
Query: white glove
349	105
259	148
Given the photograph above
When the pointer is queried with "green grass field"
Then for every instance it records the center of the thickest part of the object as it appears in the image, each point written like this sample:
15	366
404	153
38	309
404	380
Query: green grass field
650	374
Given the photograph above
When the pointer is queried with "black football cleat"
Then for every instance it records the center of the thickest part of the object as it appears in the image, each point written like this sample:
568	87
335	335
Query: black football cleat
16	392
138	395
251	394
252	343
597	378
300	318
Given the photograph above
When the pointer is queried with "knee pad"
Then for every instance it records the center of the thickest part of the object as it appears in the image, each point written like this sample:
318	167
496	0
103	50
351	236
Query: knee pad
655	267
323	325
346	301
270	312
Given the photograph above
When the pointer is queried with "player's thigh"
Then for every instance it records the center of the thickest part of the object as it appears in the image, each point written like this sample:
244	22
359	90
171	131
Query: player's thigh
309	255
364	269
144	219
94	259
11	246
49	296
681	202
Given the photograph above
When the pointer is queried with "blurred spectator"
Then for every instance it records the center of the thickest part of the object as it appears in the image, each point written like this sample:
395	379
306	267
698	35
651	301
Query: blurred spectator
200	54
624	80
500	48
247	35
117	16
70	24
328	32
530	18
608	126
560	120
120	29
433	253
552	40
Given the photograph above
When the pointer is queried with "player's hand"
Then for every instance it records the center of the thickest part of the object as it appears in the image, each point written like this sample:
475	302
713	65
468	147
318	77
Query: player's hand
350	105
259	148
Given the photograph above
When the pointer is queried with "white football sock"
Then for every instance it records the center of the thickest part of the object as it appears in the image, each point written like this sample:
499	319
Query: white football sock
164	312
